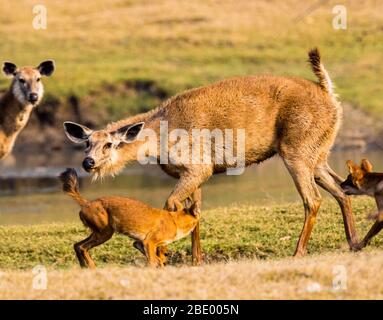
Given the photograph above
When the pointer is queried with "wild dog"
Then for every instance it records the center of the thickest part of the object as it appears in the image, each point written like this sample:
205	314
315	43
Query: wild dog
151	228
295	118
16	105
362	181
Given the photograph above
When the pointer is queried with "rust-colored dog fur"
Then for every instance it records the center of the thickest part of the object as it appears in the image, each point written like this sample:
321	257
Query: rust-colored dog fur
295	118
16	105
151	228
362	181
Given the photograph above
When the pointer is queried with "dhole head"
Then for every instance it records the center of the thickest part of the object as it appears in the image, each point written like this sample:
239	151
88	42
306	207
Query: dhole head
355	184
27	86
103	149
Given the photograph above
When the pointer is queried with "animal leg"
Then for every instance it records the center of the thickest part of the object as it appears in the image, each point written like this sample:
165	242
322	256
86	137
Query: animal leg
189	185
303	177
95	239
375	229
325	179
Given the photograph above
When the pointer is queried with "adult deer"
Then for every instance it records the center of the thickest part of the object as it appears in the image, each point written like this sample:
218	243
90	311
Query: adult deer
295	118
16	105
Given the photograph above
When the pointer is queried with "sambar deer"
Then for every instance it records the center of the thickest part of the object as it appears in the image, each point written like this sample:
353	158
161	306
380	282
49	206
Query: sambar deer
297	119
16	105
151	228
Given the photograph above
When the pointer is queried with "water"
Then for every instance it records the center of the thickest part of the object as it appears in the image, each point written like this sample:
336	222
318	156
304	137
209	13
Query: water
30	192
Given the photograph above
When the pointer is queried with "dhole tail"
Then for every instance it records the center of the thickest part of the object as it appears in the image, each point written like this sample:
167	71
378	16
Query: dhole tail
69	179
321	73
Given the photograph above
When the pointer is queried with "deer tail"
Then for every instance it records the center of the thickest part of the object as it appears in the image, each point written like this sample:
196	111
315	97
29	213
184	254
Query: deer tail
321	73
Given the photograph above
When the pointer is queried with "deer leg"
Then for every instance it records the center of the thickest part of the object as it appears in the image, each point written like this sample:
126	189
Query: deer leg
196	243
188	185
303	177
325	179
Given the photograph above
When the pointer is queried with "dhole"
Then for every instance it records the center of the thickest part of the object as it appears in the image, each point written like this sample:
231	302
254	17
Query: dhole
362	181
151	228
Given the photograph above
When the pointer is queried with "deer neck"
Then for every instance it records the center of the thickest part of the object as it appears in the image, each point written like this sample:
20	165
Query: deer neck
13	118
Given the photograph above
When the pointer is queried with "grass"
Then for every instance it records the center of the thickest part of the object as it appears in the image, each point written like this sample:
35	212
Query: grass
181	44
247	254
227	234
312	277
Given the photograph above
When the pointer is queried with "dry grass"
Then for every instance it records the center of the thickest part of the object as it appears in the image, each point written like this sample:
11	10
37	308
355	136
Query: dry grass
306	278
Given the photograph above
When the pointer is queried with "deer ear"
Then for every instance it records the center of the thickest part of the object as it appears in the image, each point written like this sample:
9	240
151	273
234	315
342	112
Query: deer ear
46	68
365	165
76	133
129	133
9	69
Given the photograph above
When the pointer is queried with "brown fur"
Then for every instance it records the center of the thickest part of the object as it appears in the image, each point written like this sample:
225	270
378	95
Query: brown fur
151	228
362	181
15	109
295	118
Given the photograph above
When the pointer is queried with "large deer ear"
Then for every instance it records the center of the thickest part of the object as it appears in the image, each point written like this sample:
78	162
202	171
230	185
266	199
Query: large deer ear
9	69
129	133
46	68
365	165
76	133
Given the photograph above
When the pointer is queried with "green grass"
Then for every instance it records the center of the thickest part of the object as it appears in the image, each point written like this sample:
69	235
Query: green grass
179	45
230	233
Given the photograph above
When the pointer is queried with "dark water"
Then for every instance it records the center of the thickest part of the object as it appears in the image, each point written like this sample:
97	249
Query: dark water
31	193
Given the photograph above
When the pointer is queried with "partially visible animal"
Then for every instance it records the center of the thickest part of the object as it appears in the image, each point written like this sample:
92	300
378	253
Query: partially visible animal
17	103
151	228
295	118
363	181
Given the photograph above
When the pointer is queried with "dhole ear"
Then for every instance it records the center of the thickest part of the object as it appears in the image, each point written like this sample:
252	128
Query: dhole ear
9	69
129	133
351	166
46	68
356	173
76	133
366	165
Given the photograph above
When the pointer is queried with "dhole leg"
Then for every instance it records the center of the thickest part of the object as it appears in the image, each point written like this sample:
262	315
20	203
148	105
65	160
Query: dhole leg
303	177
326	180
80	253
82	248
375	229
151	254
161	254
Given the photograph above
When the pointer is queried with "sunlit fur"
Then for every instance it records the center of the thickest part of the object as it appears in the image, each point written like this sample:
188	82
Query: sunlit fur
363	181
15	109
297	119
152	228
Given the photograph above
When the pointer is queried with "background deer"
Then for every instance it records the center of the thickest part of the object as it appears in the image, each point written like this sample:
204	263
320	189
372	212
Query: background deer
295	118
151	228
16	105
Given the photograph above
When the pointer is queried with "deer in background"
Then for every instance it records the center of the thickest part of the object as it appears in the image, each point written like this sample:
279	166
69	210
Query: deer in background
16	105
297	119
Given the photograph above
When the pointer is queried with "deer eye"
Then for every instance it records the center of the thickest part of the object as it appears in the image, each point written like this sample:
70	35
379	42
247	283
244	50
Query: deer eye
108	145
22	80
38	79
